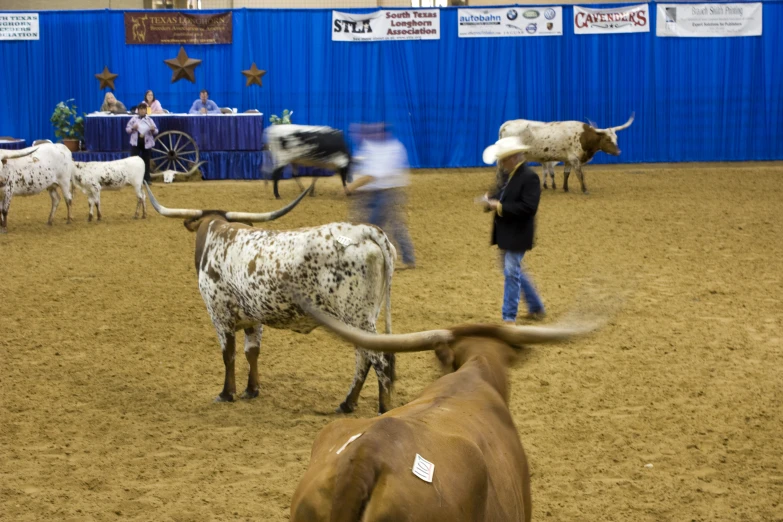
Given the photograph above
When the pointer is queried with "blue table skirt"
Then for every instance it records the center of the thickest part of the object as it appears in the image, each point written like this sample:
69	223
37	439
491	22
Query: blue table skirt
219	165
225	132
13	145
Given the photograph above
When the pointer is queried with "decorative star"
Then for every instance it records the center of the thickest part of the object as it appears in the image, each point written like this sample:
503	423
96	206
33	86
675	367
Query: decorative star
183	67
253	75
106	78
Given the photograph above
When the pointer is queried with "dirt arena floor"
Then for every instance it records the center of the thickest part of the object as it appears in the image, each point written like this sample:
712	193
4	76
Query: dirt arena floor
672	412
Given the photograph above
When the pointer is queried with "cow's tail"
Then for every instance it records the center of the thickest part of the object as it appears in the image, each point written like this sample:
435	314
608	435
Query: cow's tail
389	254
356	477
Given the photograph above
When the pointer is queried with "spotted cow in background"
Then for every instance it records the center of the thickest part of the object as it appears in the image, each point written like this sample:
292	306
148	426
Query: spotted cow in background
33	170
516	128
248	278
309	146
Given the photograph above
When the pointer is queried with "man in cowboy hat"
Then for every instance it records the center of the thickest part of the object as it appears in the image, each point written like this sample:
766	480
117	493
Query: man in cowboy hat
513	227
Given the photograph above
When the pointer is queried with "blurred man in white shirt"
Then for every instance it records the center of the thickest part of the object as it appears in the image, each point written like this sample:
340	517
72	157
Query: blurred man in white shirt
381	166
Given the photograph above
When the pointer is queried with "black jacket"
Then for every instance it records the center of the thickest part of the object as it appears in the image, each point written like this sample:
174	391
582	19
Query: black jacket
515	227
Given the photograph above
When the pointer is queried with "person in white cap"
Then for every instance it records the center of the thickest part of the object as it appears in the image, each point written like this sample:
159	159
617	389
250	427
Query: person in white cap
513	228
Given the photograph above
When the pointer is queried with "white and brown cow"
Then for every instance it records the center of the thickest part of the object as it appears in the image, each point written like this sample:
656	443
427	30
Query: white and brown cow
516	128
572	142
94	176
309	146
32	171
248	276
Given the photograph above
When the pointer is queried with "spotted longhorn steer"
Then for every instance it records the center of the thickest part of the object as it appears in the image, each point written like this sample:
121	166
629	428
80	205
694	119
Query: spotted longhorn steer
247	277
305	145
94	176
515	128
33	170
474	467
572	142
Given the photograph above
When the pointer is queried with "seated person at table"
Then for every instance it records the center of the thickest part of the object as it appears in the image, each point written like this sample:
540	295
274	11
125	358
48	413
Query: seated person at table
153	105
204	105
112	104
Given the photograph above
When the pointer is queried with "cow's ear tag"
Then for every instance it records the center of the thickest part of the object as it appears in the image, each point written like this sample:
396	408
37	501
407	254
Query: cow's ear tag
423	468
344	241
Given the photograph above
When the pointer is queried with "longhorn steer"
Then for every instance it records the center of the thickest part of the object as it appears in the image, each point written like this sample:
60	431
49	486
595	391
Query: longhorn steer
247	275
94	176
305	145
33	170
516	128
572	142
363	469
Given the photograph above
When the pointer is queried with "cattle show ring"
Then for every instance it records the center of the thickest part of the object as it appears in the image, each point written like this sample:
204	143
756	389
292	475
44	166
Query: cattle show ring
235	349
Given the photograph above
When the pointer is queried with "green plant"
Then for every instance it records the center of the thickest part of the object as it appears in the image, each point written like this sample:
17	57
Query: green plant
66	121
286	118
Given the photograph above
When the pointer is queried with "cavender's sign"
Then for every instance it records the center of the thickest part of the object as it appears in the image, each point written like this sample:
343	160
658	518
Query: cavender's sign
177	28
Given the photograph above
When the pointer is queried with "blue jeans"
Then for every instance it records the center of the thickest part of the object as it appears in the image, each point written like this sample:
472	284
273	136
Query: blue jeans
516	282
384	208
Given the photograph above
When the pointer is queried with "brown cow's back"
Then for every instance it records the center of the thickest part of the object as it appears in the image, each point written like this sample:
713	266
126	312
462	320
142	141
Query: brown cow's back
460	424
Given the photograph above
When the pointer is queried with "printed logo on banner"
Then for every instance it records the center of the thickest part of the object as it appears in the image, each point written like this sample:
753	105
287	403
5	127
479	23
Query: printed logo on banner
498	22
712	20
631	19
410	24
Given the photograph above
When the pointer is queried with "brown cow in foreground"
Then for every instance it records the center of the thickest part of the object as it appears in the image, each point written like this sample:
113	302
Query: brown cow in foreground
362	469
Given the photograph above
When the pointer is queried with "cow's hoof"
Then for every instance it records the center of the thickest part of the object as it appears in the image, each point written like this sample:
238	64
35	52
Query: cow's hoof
3	230
345	408
585	192
89	219
135	217
224	398
49	223
248	394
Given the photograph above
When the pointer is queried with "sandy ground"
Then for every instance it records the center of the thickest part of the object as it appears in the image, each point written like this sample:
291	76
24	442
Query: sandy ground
110	364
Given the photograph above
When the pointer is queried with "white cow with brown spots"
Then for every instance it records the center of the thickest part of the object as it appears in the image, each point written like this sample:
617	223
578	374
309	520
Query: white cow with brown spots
516	128
248	278
94	176
572	142
33	170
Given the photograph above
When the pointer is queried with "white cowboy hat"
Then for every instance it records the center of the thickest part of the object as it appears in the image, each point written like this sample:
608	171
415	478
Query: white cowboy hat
503	148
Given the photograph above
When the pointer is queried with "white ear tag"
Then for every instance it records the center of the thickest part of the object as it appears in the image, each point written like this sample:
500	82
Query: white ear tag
423	468
349	441
344	241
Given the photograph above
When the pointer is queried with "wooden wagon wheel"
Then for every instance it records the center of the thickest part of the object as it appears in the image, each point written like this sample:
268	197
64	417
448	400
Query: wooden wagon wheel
174	150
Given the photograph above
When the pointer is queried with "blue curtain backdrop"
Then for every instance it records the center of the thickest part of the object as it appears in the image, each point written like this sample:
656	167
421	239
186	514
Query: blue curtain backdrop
696	99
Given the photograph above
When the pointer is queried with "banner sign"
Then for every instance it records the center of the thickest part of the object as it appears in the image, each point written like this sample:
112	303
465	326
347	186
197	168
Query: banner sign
517	21
19	26
630	19
408	24
177	28
716	20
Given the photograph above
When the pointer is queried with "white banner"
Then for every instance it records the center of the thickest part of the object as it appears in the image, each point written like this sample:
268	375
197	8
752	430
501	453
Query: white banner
409	24
516	21
19	26
631	19
717	20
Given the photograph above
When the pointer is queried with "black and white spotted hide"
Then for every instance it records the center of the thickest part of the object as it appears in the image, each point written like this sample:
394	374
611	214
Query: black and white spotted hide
249	278
41	168
310	146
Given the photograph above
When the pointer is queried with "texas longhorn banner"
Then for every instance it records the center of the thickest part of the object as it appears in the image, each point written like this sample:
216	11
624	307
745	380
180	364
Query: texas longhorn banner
409	24
19	26
631	19
716	20
177	28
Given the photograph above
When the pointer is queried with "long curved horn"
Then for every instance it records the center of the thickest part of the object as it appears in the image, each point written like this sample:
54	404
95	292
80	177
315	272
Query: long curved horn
427	340
268	216
172	212
194	169
412	342
624	125
20	155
